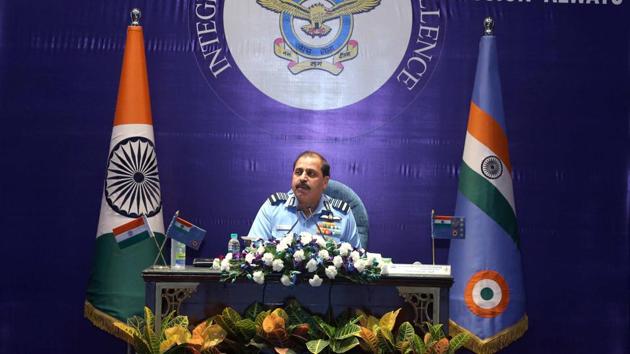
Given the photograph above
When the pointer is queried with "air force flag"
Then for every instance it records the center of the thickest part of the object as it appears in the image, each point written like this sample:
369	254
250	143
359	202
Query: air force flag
488	297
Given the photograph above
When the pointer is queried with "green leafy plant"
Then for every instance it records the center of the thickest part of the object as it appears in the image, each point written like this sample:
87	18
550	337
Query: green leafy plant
377	336
173	337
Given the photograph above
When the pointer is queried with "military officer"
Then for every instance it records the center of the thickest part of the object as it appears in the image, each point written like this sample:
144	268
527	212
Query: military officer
305	207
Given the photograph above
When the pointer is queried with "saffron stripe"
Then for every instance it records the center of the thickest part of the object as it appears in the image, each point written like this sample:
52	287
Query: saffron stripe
488	198
128	226
184	222
483	127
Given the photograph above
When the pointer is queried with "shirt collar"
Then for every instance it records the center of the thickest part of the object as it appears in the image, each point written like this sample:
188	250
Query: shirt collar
322	206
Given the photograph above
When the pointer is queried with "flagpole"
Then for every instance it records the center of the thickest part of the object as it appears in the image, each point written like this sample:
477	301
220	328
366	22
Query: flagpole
432	238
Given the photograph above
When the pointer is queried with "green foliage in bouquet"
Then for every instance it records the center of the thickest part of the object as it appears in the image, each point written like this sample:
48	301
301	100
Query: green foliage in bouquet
306	256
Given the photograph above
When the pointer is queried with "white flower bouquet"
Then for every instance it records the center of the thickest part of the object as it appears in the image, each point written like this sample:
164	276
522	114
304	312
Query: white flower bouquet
295	256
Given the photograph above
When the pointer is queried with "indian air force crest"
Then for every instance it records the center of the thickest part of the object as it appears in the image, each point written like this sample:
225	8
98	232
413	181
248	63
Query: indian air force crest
269	61
316	34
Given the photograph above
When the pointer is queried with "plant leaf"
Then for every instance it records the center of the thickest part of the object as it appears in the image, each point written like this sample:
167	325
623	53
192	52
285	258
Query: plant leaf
385	340
347	331
388	320
363	317
458	341
370	340
231	314
342	346
418	345
327	329
316	346
253	310
247	328
280	312
273	322
227	325
436	331
405	332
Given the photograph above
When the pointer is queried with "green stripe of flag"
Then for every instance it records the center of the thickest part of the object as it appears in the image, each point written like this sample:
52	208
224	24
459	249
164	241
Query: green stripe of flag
489	199
134	239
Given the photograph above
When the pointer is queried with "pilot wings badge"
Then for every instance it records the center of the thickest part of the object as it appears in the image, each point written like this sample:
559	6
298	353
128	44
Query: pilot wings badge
316	33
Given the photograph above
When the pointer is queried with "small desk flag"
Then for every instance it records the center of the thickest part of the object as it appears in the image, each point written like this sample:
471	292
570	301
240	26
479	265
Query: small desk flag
487	299
448	227
132	232
185	232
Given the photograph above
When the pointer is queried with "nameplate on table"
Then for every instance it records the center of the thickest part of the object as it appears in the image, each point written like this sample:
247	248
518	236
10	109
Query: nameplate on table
418	270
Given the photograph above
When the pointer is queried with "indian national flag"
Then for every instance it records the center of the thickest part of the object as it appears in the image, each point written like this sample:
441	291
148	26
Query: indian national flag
132	232
131	190
487	299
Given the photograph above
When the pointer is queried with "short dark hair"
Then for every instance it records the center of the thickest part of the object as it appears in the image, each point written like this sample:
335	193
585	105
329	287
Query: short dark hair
310	153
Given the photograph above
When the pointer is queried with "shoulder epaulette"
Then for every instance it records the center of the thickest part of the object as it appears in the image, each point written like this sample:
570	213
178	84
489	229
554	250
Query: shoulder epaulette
339	205
278	198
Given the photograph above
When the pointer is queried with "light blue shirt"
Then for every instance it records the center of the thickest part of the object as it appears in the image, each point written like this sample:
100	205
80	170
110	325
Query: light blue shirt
282	217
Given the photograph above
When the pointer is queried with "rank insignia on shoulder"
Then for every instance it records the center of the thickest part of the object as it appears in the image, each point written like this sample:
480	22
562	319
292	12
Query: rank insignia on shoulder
339	205
278	198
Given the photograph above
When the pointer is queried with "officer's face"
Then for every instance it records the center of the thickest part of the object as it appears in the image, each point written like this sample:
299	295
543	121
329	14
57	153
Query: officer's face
308	183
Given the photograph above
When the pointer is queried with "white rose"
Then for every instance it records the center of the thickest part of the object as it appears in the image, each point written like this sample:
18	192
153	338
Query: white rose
345	248
267	259
360	265
298	256
286	280
228	256
305	238
331	272
250	258
277	265
337	261
260	250
216	264
281	247
225	265
311	266
320	241
355	256
258	277
287	240
315	281
323	254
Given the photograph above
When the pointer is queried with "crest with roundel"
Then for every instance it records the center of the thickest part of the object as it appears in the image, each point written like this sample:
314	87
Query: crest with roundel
316	33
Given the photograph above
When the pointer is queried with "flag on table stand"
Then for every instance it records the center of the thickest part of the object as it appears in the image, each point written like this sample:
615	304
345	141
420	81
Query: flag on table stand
132	189
487	299
185	232
448	227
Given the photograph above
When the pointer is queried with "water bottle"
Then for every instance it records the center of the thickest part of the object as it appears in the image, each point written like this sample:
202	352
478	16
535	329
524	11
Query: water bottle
234	246
178	254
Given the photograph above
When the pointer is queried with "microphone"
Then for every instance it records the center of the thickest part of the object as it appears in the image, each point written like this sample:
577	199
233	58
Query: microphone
292	227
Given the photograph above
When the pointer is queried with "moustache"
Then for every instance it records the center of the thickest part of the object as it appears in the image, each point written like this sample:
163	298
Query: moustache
302	185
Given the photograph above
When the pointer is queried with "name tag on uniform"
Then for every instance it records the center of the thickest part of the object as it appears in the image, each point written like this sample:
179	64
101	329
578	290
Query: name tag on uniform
281	227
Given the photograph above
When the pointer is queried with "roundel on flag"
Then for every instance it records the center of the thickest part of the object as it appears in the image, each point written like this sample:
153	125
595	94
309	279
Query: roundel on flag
487	294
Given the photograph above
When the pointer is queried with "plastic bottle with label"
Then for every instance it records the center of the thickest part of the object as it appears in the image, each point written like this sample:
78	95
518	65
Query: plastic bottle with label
234	246
178	254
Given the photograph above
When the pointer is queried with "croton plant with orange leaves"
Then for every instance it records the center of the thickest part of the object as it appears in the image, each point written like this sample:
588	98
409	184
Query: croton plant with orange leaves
287	330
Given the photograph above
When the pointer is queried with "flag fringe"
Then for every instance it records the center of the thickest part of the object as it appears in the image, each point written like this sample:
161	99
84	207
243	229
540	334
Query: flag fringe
105	322
495	343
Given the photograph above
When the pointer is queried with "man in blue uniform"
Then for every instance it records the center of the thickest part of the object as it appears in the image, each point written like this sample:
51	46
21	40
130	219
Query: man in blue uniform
306	207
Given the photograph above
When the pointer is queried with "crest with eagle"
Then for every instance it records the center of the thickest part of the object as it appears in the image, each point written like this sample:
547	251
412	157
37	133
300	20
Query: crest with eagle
318	14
